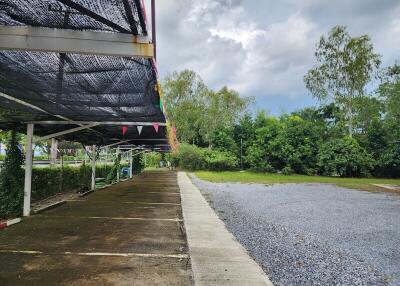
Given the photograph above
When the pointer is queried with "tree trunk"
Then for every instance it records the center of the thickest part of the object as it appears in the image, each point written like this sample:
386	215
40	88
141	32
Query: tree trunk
350	120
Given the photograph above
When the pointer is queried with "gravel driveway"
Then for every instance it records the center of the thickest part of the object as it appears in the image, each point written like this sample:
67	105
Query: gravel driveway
313	234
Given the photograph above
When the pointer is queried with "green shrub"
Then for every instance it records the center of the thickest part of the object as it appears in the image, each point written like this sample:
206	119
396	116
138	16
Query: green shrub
389	162
137	163
12	179
257	160
220	160
287	171
112	175
153	159
191	157
344	157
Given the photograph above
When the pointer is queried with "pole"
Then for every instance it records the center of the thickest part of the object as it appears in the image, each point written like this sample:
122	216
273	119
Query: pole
119	161
93	186
28	170
241	153
53	151
130	164
153	27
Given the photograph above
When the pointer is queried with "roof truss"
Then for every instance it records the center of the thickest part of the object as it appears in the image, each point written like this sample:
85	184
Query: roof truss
28	38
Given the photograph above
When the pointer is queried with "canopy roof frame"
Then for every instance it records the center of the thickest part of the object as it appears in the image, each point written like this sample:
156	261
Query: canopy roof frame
29	38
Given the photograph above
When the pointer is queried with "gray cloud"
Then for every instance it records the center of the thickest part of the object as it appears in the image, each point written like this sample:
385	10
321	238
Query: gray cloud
263	48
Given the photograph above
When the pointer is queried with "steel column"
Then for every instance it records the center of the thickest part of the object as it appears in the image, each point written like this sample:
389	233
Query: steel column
153	28
130	164
119	161
53	151
28	170
93	186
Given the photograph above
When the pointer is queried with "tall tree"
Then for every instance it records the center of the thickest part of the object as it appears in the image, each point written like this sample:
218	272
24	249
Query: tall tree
389	91
185	94
345	65
196	110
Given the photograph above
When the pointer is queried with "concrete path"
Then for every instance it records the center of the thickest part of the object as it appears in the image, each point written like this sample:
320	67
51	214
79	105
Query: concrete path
128	234
216	257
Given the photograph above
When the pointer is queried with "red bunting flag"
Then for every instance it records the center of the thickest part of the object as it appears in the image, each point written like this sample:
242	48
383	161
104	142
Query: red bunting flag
124	129
156	126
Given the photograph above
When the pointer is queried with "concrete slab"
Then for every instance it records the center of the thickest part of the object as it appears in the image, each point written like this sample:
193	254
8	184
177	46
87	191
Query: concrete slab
216	257
102	240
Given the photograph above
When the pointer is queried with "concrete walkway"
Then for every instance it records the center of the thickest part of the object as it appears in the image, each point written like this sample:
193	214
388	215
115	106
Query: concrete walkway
216	257
128	234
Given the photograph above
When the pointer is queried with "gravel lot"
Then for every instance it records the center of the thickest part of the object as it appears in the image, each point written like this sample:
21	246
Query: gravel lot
313	234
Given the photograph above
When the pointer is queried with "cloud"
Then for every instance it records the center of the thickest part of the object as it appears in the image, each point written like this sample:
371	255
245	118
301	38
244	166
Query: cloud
263	48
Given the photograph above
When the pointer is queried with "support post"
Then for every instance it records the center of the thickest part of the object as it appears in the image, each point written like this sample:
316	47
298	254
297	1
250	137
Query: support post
153	28
53	151
93	187
130	164
119	161
28	170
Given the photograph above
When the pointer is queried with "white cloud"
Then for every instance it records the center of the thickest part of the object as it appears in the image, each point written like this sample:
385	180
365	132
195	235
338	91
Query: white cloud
263	48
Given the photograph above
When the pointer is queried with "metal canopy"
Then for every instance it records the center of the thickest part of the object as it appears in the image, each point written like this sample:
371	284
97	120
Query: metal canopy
79	62
82	70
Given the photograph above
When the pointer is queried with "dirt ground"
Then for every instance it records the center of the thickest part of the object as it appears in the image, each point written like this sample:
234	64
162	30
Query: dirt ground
131	233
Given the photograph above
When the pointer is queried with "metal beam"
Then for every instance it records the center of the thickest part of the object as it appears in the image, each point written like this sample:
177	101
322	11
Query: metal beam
28	38
83	10
71	122
116	143
27	104
54	135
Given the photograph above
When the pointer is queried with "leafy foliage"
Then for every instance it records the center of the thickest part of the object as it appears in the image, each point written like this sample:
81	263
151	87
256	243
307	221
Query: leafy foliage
191	157
220	160
198	111
344	157
12	179
345	66
137	162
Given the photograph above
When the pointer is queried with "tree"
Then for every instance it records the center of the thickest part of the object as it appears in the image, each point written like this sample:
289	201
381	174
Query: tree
344	157
12	179
197	111
223	109
389	91
185	94
222	139
345	65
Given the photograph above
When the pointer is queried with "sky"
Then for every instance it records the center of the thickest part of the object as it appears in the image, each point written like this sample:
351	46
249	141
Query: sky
263	48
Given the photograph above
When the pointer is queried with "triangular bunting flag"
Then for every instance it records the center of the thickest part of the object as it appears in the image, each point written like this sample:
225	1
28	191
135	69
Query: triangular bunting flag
139	129
161	104
156	125
124	129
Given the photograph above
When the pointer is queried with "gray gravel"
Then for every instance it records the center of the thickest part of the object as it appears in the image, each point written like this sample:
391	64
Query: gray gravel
313	234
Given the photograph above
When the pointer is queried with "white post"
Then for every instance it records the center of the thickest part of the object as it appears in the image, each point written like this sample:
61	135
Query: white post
28	170
53	151
118	164
130	164
93	168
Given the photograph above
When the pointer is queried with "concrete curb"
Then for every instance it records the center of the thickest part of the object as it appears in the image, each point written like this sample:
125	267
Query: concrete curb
9	223
217	258
49	207
85	193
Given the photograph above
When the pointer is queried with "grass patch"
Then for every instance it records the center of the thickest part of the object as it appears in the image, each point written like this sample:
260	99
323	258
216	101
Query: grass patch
270	178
